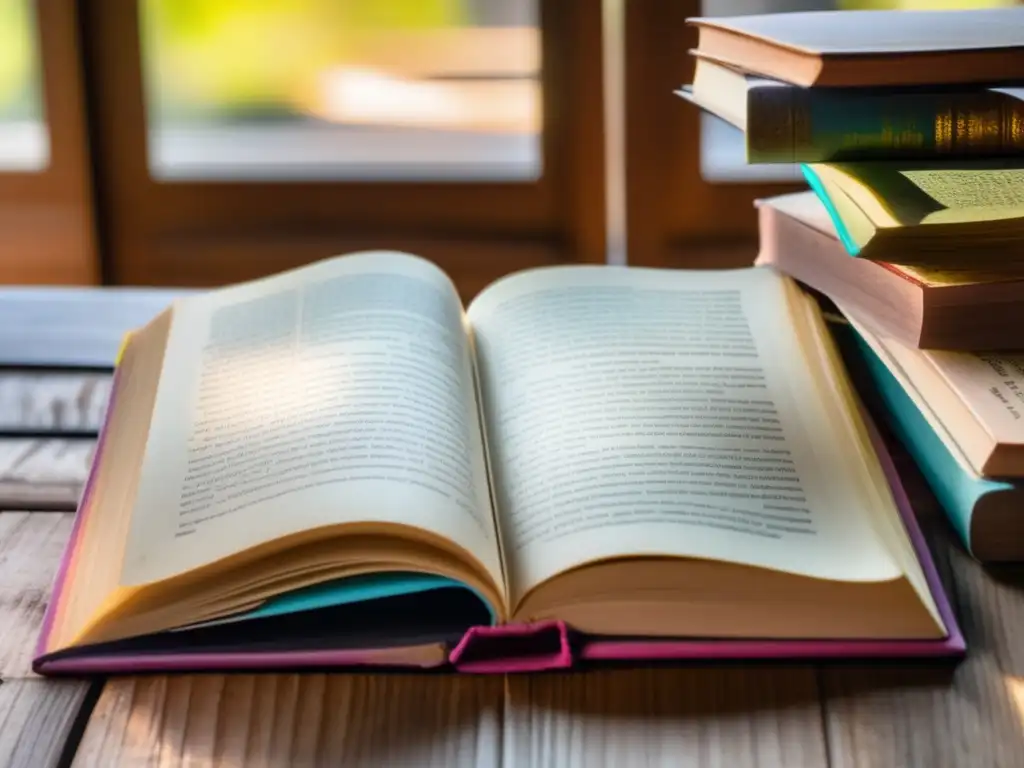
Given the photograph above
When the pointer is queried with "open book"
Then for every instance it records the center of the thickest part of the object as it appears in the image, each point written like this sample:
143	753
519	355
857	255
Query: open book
340	465
964	215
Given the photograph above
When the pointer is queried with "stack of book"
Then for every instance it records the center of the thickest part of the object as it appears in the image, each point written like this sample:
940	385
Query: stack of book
910	131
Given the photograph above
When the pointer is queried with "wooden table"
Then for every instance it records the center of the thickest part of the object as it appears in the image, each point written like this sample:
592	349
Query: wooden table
729	716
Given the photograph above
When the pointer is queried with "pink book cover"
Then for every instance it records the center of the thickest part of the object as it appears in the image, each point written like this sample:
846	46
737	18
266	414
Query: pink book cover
518	648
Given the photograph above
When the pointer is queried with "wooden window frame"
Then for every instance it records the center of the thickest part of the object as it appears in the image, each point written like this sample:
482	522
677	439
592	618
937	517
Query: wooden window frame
676	218
208	233
46	216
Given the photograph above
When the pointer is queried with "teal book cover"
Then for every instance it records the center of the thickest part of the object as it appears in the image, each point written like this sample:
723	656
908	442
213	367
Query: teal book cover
957	488
355	589
837	221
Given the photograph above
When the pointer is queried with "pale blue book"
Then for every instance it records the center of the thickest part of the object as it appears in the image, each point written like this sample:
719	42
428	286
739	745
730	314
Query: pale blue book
987	513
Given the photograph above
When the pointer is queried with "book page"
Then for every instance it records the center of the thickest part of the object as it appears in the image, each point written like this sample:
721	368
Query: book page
970	187
959	388
883	349
339	393
935	193
971	194
637	412
991	385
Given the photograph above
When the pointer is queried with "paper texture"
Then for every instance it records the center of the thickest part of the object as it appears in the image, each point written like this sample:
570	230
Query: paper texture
990	385
689	425
338	394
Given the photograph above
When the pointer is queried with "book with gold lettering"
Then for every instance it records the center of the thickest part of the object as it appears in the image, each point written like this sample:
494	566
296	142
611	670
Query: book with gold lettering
784	123
342	466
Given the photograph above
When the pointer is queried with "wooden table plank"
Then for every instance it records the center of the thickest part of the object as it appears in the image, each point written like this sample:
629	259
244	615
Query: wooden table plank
65	326
728	717
301	720
929	716
31	545
57	402
973	715
44	474
36	719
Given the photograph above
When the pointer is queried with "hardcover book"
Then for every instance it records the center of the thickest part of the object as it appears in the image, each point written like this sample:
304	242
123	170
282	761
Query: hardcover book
871	48
340	466
784	123
927	308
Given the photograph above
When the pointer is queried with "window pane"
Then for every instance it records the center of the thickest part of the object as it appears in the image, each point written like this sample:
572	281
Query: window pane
24	140
721	152
342	89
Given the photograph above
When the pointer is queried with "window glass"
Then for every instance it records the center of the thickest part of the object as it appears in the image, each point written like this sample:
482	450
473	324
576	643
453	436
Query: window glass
24	139
342	89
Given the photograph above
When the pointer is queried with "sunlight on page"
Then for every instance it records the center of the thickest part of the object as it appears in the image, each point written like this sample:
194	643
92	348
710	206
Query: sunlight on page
226	404
334	394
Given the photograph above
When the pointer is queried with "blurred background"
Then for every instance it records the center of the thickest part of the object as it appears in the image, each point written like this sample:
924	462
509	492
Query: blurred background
189	142
400	89
23	141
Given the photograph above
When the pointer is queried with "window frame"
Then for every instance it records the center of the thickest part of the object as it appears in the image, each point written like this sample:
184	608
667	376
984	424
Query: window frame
676	217
47	233
212	232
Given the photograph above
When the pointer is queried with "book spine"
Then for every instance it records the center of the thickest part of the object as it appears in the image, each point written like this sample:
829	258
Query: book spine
800	125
